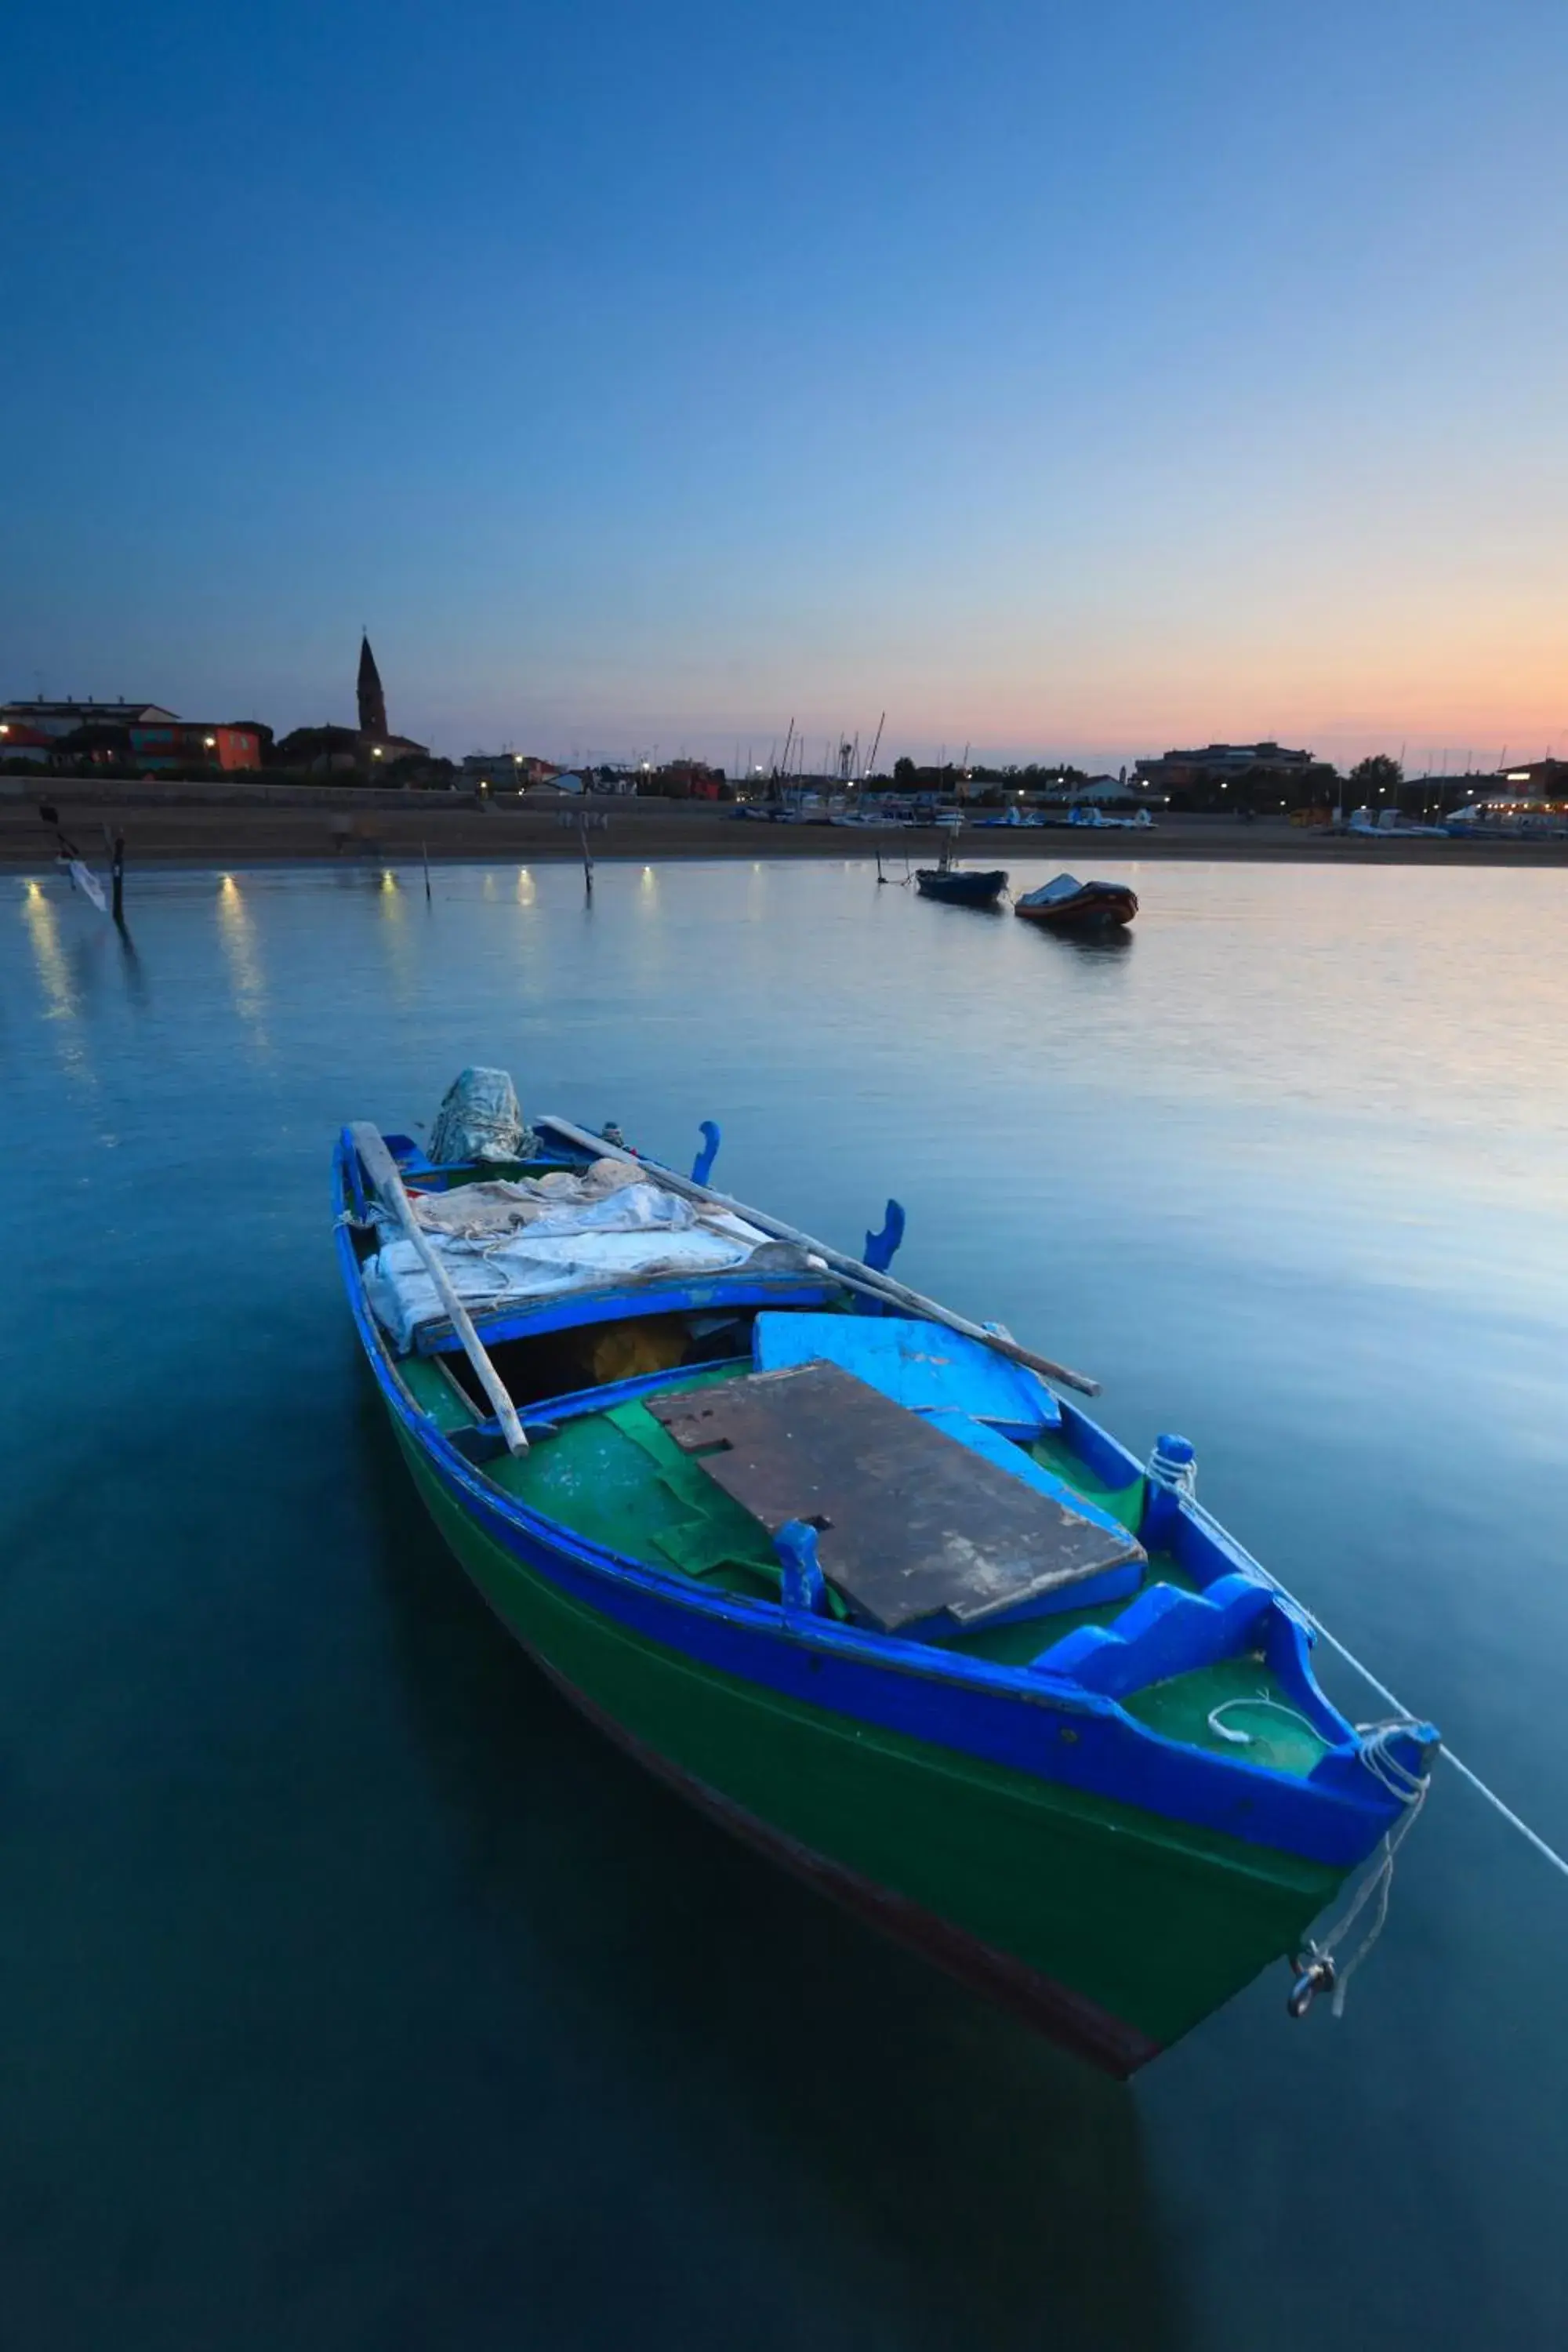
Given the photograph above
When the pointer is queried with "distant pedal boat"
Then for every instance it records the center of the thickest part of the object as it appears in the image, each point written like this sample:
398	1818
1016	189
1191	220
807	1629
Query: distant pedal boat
863	1587
1069	905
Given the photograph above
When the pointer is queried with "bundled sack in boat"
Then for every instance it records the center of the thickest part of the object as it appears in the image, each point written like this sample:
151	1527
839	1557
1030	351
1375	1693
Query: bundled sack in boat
479	1118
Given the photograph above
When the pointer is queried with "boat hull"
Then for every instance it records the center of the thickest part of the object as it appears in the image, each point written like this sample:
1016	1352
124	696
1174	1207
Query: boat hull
962	889
1112	1930
1096	908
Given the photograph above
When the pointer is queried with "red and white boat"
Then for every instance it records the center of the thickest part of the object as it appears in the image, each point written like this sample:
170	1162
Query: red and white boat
1068	904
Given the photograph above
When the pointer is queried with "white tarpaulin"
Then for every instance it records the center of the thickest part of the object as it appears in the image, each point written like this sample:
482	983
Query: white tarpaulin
503	1243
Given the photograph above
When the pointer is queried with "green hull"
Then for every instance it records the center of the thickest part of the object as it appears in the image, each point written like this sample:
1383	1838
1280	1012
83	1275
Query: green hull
1117	1931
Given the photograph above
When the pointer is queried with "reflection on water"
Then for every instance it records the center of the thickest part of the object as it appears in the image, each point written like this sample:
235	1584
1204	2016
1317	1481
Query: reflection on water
1106	942
237	934
663	1942
131	966
43	930
315	1870
391	903
62	985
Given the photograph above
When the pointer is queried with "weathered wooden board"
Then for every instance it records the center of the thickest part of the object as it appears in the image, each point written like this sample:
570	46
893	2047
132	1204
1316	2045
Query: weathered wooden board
910	1523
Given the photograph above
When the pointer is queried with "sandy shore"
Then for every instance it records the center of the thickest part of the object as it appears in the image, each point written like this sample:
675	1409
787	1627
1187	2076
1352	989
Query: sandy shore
162	827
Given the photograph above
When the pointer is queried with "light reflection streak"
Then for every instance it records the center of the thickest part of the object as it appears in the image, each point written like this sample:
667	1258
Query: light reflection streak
236	935
43	930
61	997
391	904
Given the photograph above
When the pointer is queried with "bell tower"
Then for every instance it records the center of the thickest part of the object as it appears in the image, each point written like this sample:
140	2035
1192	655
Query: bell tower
371	700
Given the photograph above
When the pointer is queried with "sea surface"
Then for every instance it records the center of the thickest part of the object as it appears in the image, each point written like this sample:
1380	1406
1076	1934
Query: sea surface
355	1994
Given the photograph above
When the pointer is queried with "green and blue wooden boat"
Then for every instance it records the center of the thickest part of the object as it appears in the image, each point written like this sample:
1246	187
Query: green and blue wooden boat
869	1592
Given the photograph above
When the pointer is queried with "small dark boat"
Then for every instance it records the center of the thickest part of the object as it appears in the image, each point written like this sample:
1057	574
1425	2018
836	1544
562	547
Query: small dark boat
1068	904
960	890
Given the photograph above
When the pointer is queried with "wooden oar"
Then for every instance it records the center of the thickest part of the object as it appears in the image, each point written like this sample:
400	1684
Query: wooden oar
382	1170
856	1275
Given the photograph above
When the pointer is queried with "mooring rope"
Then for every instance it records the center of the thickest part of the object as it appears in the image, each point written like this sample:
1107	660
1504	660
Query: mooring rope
1532	1836
1172	1464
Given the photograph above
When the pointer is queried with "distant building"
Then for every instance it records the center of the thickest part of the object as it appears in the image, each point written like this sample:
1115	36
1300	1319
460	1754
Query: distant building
35	732
369	746
1545	780
372	697
1261	770
64	718
143	736
320	750
376	738
503	768
1095	791
183	743
511	771
683	780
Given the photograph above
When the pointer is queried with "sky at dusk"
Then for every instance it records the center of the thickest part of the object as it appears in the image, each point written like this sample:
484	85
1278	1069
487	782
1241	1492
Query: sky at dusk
1064	380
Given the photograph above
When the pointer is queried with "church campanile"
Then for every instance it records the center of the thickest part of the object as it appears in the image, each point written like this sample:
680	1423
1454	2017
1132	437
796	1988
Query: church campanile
371	700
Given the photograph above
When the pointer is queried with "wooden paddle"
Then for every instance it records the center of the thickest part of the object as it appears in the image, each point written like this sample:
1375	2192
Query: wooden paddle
851	1270
382	1169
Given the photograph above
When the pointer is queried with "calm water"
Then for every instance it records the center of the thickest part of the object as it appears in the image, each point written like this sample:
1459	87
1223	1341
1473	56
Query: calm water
353	1994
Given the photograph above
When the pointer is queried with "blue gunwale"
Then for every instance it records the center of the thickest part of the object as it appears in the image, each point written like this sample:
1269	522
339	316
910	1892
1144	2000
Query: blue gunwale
999	1714
662	1295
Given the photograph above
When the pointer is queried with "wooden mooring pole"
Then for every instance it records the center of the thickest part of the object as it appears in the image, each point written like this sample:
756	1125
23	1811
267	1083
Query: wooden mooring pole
116	846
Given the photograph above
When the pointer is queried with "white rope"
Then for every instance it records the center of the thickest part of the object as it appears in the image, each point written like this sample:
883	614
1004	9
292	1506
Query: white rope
1379	1882
1532	1837
1250	1738
1548	1852
1318	1964
1181	1478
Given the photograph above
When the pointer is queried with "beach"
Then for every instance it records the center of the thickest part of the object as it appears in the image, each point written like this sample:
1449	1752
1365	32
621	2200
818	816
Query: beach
261	825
